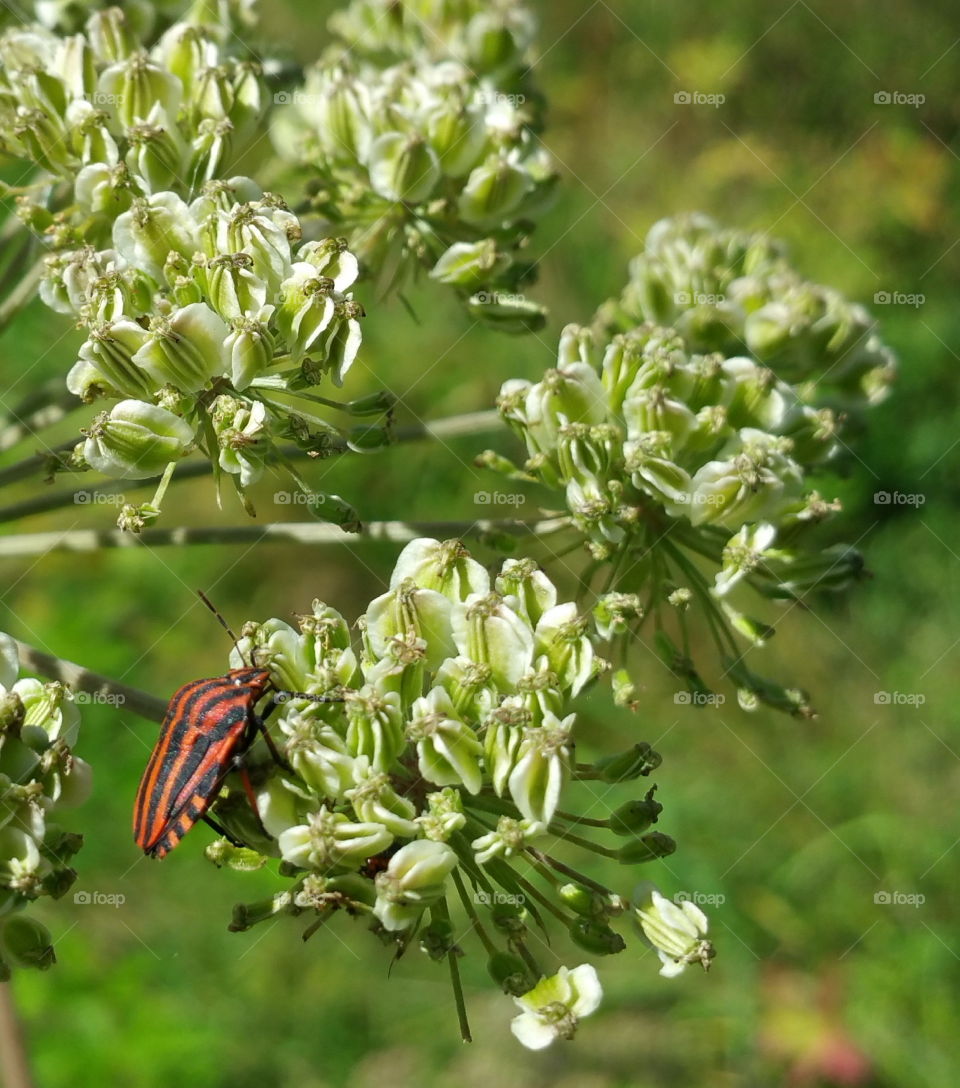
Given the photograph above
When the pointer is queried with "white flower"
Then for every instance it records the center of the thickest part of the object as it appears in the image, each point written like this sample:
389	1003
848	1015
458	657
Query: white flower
677	933
556	1005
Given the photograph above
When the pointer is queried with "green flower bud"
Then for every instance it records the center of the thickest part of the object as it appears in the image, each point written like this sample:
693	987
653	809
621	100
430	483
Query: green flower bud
470	265
403	168
457	134
307	308
542	768
157	155
414	879
341	116
154	227
106	190
330	840
615	612
186	348
448	751
24	942
510	973
247	915
374	800
250	348
106	362
639	760
318	754
522	581
375	728
509	313
185	50
492	192
597	937
561	636
136	90
136	440
111	36
444	815
582	900
635	816
652	845
488	632
243	437
407	609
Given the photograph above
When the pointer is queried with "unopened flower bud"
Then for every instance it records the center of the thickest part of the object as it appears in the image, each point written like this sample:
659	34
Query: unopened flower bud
136	440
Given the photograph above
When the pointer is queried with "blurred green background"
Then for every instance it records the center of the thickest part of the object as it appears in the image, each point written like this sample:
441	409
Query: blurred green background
796	825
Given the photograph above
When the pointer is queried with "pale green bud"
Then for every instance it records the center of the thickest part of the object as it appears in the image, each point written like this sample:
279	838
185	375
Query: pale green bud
375	727
487	631
442	566
444	815
503	734
136	440
106	190
510	837
90	137
457	134
596	936
186	50
135	89
639	760
408	609
527	589
374	800
157	155
470	264
243	436
111	36
615	612
492	192
21	866
318	753
469	687
231	285
542	768
507	312
250	348
330	840
448	750
154	227
415	878
403	168
562	636
306	309
186	349
332	258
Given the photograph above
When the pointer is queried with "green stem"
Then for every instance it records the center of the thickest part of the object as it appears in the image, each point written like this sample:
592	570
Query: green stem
441	912
566	870
82	679
471	910
310	533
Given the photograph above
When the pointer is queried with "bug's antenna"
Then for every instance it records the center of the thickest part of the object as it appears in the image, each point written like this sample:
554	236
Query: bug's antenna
223	623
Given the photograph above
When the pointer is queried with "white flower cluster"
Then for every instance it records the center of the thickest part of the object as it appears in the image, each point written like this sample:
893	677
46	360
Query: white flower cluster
460	684
39	778
675	444
208	320
734	292
430	163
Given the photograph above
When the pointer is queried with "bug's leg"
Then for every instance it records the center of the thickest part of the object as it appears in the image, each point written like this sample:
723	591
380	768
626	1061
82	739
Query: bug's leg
260	727
221	830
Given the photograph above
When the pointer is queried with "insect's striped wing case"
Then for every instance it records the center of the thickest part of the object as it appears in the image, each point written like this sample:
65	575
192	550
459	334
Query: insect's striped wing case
207	723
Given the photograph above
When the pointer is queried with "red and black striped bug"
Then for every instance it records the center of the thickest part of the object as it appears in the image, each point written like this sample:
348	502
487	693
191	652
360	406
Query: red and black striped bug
207	729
